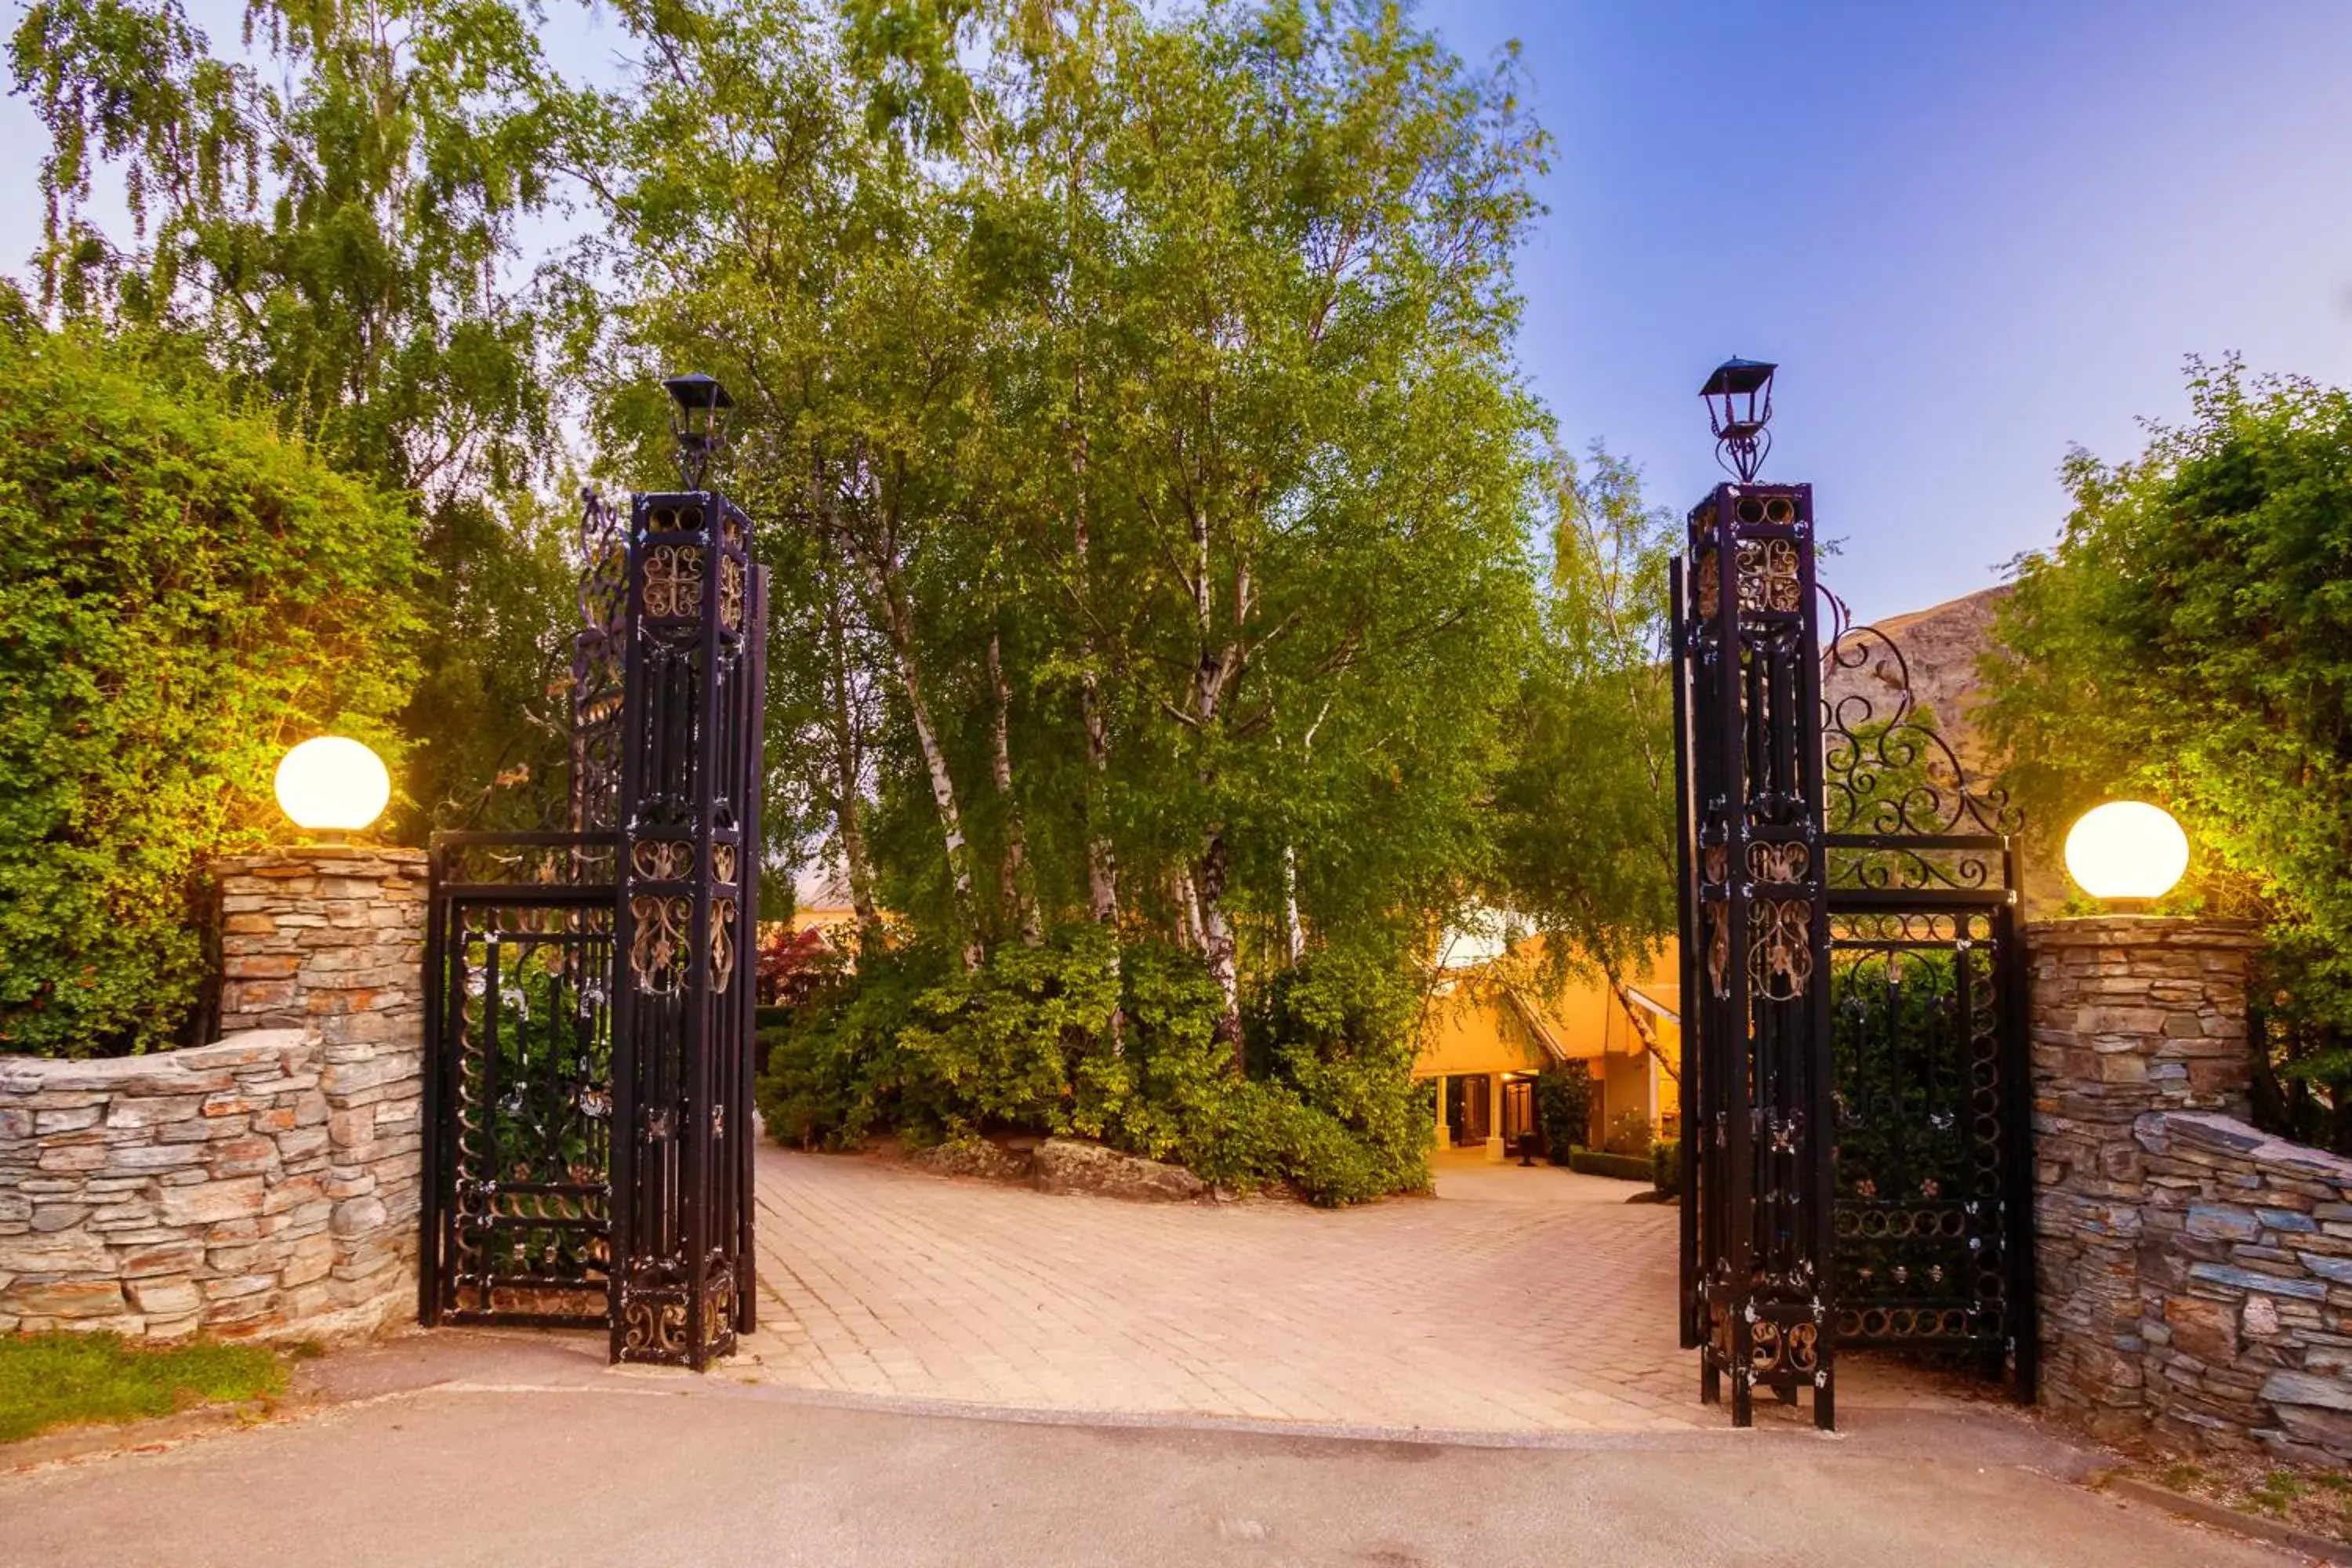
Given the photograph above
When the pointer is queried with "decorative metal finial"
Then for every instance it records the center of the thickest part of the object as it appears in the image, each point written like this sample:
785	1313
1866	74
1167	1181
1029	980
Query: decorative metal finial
1739	407
696	424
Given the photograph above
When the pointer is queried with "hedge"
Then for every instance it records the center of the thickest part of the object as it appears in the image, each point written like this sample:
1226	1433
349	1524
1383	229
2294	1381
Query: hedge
1624	1167
185	594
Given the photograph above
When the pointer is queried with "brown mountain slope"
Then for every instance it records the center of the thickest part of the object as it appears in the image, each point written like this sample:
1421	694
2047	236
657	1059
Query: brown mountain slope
1939	646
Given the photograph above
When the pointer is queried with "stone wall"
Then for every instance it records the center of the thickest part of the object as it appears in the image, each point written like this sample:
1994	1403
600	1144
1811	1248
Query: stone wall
268	1185
2195	1276
2245	1289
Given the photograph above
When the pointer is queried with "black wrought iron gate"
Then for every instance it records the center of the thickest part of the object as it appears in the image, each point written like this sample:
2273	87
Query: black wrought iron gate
1933	1092
589	1004
1855	1090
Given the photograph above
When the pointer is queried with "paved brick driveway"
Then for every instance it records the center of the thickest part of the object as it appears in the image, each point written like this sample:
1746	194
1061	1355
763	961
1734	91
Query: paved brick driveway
1516	1300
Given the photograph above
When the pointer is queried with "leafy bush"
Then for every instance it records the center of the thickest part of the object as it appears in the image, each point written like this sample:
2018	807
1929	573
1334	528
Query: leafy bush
2188	641
912	1045
1623	1167
1666	1165
1564	1107
184	594
1630	1134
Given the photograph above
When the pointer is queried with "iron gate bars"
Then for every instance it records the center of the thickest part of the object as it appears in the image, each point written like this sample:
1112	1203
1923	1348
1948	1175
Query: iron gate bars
1933	1211
1757	1111
589	1017
691	772
519	1086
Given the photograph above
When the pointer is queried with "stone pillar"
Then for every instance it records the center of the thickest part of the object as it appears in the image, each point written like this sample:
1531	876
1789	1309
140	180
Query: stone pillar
1495	1151
1443	1142
2131	1014
330	938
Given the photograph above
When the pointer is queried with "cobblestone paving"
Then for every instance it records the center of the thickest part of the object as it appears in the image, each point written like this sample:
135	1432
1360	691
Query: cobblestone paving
1516	1300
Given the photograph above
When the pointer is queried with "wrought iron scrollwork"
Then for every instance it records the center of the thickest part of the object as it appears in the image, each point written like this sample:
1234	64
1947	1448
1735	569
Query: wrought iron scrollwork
1887	770
597	654
674	582
659	948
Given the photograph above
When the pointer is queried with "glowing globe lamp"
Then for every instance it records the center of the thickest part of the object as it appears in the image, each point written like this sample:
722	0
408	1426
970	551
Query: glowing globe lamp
332	785
2127	851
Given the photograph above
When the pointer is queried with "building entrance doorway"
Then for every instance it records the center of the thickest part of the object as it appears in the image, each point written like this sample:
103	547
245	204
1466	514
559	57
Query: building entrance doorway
1469	1109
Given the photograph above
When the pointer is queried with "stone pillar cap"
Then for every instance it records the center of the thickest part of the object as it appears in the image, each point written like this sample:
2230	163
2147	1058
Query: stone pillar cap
2112	930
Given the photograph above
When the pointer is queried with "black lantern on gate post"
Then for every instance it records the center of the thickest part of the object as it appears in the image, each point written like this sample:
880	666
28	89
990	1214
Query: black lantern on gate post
697	418
1738	406
1753	895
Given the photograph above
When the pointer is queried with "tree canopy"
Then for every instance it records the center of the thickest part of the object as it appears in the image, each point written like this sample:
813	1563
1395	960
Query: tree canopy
1134	415
1181	614
2189	638
326	212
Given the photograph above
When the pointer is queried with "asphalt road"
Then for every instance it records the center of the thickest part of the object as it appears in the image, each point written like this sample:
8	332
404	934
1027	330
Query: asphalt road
580	1468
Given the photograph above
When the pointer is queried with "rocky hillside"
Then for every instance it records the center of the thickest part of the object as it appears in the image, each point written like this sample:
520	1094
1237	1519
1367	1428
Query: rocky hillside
1939	646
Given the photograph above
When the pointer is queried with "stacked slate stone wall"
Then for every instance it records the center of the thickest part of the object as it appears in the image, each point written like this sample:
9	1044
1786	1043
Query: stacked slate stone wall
2196	1274
268	1185
2246	1290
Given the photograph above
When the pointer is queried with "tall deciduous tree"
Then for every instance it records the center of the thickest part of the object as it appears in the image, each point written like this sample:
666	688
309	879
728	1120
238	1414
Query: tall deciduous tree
329	212
1146	383
1585	810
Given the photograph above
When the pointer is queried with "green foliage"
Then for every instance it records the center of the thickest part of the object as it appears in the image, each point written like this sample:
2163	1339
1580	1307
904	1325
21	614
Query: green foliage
1630	1134
1584	810
913	1044
68	1379
185	593
2189	638
1251	563
1620	1167
1905	1115
326	213
1666	1165
1564	1106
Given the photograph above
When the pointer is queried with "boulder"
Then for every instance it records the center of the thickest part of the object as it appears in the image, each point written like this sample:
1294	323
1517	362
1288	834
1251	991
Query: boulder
973	1157
1066	1165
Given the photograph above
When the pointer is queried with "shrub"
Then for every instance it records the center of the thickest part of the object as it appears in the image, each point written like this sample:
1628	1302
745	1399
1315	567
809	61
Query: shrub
1564	1107
184	595
1630	1134
1623	1167
912	1045
1666	1165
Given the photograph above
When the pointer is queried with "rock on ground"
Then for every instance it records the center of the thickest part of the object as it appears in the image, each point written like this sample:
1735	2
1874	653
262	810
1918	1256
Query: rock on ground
1066	1165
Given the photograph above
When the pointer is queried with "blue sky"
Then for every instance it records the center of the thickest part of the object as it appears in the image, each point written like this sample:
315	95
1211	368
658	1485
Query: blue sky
1972	235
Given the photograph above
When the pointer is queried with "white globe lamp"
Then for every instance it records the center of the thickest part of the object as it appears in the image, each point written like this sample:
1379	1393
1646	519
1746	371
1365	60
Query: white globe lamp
2126	853
332	787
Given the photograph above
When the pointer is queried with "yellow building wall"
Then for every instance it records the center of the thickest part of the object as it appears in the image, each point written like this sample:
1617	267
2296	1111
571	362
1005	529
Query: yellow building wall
1475	1027
1472	1029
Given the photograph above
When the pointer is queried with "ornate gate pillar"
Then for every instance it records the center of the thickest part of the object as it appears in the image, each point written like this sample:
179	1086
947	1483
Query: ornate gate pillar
689	825
588	1000
1756	1110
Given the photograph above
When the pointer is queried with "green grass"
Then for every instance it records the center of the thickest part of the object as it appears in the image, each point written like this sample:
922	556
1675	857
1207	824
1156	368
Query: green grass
63	1380
2316	1501
2182	1477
